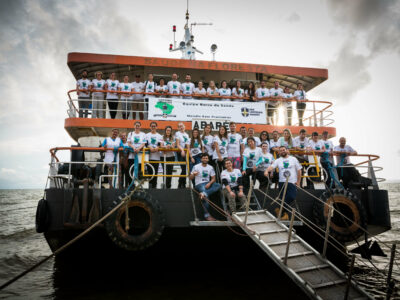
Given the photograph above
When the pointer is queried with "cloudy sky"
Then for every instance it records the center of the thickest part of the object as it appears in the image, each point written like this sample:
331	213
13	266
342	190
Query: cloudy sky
358	41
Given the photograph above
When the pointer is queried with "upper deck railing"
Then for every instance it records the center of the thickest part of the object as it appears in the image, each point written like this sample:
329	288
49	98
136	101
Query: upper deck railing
317	113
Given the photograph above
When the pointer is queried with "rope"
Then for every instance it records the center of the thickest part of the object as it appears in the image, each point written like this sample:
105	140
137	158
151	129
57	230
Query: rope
125	198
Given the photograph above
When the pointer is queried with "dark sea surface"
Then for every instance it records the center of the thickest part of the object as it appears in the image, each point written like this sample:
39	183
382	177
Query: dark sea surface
91	276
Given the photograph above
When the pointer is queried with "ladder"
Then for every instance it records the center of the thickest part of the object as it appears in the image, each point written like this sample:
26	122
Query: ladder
314	274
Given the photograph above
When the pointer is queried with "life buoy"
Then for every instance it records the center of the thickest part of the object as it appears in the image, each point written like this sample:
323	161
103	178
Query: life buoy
42	219
146	223
349	205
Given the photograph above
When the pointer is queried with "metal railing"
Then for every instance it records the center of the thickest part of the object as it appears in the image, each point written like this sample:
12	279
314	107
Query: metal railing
316	113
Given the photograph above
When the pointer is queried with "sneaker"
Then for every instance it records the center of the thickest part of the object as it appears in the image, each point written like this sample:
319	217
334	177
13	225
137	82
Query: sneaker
210	218
285	217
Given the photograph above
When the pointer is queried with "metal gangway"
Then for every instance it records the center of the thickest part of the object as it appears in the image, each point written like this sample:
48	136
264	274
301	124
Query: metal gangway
310	270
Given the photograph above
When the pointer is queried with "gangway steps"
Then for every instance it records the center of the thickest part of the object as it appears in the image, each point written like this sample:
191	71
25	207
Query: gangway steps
318	277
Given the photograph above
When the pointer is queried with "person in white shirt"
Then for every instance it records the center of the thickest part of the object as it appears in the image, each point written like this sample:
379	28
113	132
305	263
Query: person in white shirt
154	141
196	148
187	87
234	146
112	96
276	91
150	87
348	173
301	142
212	90
220	147
325	161
250	133
265	160
138	99
200	91
274	142
83	91
262	94
238	92
290	171
315	144
301	97
169	143
343	151
207	140
98	97
182	142
287	96
126	98
174	87
137	141
264	137
224	91
204	177
162	88
286	140
251	160
232	184
111	156
243	132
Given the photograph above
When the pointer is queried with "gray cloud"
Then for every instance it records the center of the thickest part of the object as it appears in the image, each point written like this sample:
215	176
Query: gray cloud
293	18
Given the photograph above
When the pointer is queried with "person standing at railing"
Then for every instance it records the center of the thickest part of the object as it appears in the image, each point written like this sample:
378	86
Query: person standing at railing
232	186
154	141
224	91
251	135
187	87
162	88
290	170
137	141
287	96
83	91
220	148
243	132
329	148
182	142
300	142
262	94
237	91
200	91
251	159
275	93
286	140
300	95
345	150
204	178
196	148
274	142
112	96
138	99
315	144
169	143
212	90
111	155
234	146
126	99
207	140
250	92
124	179
149	87
345	169
98	97
174	87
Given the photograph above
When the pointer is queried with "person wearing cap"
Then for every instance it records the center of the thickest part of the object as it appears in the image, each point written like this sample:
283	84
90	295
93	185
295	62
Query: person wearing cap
98	97
83	91
138	99
290	171
301	97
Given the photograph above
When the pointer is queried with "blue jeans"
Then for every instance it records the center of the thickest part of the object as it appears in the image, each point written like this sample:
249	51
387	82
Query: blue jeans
215	187
197	160
291	192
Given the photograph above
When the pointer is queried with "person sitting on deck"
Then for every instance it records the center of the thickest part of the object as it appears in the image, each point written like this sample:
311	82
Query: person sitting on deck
162	88
83	91
287	96
232	183
112	97
262	94
182	142
200	91
138	99
174	86
220	148
137	141
111	155
251	159
234	146
196	148
255	138
98	97
204	177
187	87
301	97
154	141
224	91
290	171
126	99
237	91
212	90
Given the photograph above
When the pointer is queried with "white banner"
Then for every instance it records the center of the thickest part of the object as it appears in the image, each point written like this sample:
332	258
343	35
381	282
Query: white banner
189	109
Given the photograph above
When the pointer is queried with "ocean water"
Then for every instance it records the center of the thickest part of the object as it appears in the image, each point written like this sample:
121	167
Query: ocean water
223	277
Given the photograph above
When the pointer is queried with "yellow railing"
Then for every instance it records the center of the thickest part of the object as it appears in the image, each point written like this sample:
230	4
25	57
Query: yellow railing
144	162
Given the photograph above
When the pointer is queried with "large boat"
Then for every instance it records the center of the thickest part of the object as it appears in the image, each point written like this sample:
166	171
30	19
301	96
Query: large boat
79	191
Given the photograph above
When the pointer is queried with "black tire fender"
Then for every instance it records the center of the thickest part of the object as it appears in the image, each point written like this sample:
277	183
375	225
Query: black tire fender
115	224
348	204
42	219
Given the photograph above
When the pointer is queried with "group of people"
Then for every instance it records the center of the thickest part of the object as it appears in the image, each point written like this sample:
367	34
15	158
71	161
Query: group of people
237	156
111	91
